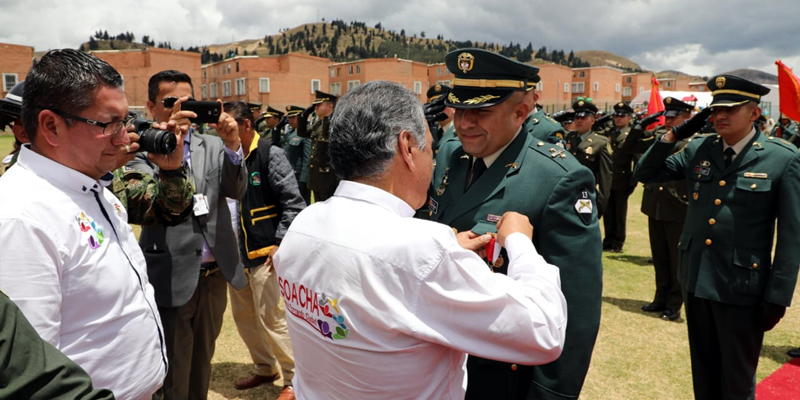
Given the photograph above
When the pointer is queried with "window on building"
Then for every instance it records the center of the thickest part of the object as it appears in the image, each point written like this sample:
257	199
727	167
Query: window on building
596	86
626	91
336	88
237	66
577	87
358	69
226	88
668	84
445	82
333	72
263	85
438	70
203	92
566	88
641	89
628	80
539	86
213	88
338	71
216	71
240	86
205	71
353	84
616	87
350	70
582	74
315	85
229	68
9	80
417	87
701	88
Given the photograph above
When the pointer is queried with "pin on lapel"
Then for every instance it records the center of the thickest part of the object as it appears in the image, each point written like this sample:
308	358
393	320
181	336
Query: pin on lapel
512	165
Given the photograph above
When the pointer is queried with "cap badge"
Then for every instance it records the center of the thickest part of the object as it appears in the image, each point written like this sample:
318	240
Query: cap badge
580	103
621	105
465	62
668	100
720	82
437	88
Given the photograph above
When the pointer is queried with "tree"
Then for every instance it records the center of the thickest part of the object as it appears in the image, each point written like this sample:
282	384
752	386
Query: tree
92	43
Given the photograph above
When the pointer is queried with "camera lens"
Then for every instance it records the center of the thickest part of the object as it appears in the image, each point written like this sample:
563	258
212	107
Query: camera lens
154	140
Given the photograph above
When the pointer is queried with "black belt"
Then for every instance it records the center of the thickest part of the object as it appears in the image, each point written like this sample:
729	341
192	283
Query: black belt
208	269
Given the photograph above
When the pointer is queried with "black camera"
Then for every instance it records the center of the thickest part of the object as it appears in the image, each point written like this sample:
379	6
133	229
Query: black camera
153	140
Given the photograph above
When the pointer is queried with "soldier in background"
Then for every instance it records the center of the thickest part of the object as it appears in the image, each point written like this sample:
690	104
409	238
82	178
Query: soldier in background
271	124
298	151
566	118
622	181
439	116
321	178
591	149
786	129
665	204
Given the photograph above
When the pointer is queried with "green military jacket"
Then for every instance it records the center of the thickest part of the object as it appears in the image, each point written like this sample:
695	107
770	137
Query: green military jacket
662	201
166	199
541	181
726	244
622	163
321	176
594	153
298	151
35	370
544	128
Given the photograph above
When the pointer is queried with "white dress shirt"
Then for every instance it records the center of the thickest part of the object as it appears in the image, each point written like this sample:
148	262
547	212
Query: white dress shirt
79	275
382	305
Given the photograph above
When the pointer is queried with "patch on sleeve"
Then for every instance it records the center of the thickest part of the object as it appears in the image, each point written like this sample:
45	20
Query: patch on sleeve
584	207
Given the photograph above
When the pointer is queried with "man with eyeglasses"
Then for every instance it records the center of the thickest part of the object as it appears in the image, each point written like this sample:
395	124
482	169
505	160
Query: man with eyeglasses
191	263
69	259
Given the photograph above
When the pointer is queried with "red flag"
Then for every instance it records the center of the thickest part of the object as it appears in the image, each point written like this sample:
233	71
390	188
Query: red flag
655	104
789	87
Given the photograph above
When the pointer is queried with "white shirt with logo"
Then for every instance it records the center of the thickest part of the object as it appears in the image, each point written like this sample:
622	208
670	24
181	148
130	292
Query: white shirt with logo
79	276
382	305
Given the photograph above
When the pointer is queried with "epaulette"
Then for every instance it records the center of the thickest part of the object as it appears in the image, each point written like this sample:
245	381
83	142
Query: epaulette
553	152
782	142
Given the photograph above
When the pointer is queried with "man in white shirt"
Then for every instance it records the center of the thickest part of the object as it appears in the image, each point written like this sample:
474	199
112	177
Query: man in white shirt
68	258
380	304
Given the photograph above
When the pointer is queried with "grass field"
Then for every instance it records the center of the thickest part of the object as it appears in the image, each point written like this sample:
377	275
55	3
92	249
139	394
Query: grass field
637	355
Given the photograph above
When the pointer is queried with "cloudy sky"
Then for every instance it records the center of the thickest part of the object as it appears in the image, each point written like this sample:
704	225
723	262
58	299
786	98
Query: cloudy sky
701	38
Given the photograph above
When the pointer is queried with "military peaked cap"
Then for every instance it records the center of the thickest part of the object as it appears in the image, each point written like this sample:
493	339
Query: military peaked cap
673	107
483	78
731	90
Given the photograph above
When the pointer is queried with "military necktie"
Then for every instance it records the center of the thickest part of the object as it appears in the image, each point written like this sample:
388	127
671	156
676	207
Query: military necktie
729	153
477	170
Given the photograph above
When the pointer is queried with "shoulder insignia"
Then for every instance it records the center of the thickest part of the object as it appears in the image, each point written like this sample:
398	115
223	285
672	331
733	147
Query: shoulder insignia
540	143
535	120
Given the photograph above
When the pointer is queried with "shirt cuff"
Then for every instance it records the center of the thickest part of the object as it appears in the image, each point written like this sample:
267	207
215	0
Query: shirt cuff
235	156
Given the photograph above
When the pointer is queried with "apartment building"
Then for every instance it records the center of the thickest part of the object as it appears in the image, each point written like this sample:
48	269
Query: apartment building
349	75
278	81
602	84
555	87
634	83
137	66
15	61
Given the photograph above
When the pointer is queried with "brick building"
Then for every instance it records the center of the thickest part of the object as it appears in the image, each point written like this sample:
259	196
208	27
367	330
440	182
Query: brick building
602	84
137	66
676	84
348	75
555	87
697	87
634	83
278	81
15	61
438	74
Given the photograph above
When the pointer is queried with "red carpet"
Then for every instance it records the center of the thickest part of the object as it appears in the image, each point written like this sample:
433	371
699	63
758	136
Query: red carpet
783	384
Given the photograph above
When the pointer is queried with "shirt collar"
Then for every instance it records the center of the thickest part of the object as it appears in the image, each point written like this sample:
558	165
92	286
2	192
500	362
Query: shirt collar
739	146
57	174
490	159
371	194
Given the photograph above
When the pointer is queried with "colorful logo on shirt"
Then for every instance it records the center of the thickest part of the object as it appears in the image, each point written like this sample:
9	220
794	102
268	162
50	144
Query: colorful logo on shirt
94	234
317	309
255	178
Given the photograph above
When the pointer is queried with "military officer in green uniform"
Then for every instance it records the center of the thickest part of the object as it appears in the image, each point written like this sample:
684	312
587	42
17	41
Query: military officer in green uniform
591	149
742	185
541	126
439	116
322	180
566	118
298	151
786	129
622	182
271	124
665	204
494	166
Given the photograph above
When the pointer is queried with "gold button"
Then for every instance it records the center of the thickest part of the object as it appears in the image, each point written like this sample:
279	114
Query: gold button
722	183
755	265
753	186
660	188
717	202
513	367
712	221
311	166
708	242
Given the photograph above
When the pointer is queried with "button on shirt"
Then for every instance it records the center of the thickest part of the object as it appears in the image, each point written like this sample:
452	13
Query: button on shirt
79	276
380	304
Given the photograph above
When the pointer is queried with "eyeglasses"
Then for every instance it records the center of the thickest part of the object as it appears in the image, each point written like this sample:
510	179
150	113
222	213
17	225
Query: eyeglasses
169	102
109	128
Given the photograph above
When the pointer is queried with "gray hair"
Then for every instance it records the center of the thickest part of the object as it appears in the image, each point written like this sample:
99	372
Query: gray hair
365	127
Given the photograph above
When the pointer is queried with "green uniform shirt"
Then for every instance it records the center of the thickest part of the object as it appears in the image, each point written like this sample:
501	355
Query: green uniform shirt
166	199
